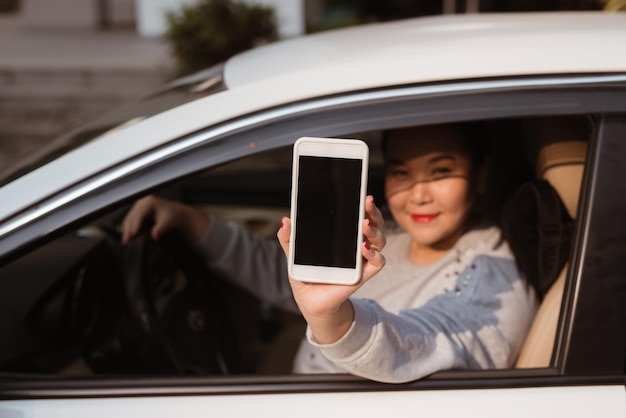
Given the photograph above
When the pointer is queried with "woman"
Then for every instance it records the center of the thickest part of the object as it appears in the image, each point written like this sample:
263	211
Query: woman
449	295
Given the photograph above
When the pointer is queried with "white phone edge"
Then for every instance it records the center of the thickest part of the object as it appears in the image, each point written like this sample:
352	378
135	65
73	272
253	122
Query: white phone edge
328	147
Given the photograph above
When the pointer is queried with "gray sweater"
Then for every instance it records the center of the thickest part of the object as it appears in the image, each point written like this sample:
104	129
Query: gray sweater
469	310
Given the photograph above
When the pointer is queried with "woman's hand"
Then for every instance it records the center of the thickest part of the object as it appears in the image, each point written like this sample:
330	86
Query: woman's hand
326	307
166	215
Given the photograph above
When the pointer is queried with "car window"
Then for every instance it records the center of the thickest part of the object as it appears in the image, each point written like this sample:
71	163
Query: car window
198	174
68	308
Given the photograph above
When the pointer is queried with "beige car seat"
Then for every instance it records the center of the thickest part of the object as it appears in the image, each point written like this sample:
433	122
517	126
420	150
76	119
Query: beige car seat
560	163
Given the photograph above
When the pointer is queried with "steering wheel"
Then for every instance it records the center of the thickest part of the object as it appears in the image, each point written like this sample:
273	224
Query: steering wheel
175	321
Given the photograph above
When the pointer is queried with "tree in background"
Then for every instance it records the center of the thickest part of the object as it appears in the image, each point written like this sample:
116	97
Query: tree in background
211	31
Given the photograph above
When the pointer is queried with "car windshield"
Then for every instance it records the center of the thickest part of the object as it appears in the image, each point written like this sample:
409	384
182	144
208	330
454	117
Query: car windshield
178	92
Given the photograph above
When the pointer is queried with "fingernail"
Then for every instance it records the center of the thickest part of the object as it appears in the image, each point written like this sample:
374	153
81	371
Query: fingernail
368	222
367	246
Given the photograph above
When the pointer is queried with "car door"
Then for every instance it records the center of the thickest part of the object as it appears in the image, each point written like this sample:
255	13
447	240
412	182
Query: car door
586	373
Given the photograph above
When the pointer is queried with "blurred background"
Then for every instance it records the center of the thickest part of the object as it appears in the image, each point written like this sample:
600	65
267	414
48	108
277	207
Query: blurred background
62	62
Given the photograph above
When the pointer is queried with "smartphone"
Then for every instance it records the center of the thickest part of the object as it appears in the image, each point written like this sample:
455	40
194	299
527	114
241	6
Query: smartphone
329	181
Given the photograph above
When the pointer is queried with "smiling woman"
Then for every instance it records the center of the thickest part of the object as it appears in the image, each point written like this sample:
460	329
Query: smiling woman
450	295
124	329
439	171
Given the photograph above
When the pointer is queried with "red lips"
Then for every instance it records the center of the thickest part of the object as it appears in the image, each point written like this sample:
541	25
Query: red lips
423	219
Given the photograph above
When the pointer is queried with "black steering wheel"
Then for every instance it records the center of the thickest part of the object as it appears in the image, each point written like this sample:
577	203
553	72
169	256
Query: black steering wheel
175	320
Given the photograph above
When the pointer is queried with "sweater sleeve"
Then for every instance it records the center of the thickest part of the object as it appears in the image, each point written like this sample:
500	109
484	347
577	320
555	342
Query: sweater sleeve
480	326
254	263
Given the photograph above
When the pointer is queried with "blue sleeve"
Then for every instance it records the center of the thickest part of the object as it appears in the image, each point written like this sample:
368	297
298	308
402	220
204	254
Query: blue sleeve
479	325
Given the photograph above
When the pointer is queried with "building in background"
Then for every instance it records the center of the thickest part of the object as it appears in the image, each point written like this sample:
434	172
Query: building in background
147	17
295	17
77	14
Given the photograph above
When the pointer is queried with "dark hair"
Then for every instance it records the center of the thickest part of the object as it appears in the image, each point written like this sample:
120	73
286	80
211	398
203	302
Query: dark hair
475	135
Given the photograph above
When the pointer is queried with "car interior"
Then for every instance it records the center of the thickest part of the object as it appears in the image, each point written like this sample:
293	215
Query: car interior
81	304
560	160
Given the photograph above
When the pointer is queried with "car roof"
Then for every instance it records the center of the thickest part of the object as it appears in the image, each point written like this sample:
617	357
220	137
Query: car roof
447	47
412	51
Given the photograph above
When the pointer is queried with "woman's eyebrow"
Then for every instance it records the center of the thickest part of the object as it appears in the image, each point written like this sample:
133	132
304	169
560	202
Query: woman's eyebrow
434	159
440	157
394	161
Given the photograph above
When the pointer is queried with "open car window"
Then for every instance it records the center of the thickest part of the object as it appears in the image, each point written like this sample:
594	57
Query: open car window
68	307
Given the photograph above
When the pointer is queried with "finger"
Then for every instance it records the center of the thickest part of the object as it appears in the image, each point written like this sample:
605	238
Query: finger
129	225
373	224
373	263
372	212
284	233
160	226
134	218
171	216
373	236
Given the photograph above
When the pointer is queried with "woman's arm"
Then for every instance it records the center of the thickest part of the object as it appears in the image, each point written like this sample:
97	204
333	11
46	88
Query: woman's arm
326	307
253	262
483	327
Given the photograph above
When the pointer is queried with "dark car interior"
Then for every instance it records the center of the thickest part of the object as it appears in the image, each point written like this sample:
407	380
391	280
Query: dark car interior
82	304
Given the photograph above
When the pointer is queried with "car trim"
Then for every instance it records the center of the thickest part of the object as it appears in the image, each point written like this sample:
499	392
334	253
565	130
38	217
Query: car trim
109	176
599	239
575	275
239	385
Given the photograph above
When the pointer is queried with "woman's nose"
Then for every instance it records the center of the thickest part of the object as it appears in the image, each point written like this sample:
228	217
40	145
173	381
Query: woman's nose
420	192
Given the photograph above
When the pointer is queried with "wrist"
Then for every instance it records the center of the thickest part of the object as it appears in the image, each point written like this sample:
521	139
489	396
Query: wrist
331	327
196	225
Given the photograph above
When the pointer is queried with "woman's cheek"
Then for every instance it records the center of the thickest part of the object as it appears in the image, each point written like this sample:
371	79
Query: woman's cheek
397	207
454	196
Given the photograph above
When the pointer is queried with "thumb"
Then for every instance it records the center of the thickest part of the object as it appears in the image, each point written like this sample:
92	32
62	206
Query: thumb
155	232
159	228
284	234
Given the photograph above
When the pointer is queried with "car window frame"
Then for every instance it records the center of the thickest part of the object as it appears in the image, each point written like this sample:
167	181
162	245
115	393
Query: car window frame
590	292
488	101
447	101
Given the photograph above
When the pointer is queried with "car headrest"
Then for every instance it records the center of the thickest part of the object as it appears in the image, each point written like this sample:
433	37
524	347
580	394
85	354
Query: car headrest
539	230
562	165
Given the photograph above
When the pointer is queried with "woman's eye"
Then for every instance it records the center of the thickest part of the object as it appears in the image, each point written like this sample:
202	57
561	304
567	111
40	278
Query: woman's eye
396	172
441	172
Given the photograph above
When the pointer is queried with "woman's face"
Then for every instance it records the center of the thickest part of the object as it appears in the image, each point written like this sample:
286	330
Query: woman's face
429	185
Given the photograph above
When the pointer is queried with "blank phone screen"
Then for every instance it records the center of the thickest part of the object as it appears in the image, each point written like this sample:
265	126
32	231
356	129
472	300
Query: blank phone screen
327	211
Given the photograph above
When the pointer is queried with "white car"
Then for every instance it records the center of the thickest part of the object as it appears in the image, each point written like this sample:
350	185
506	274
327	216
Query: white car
90	328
